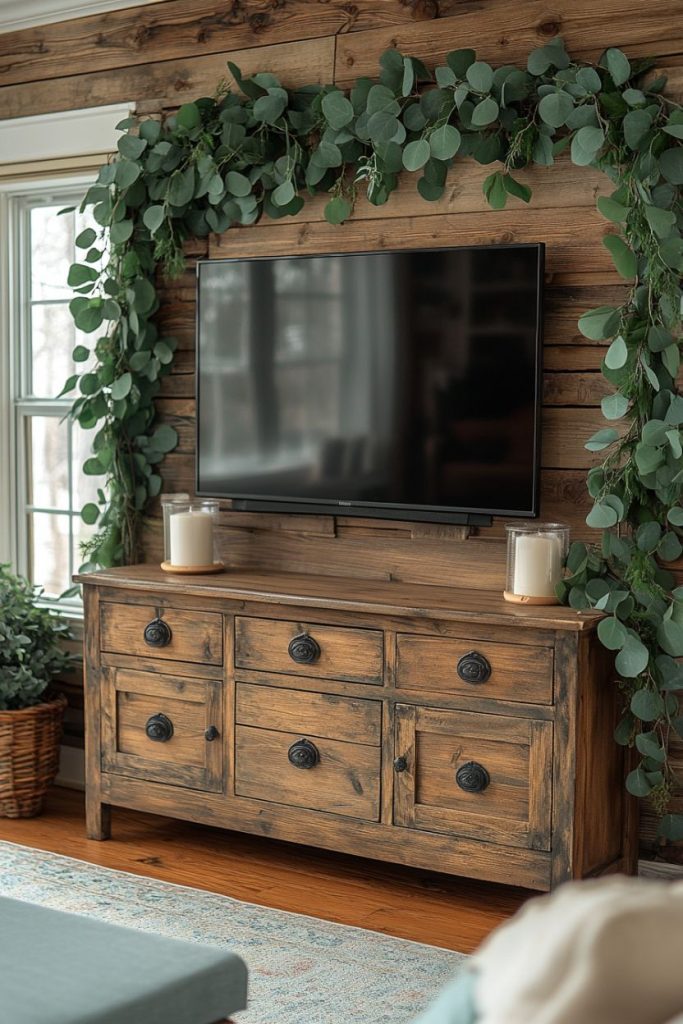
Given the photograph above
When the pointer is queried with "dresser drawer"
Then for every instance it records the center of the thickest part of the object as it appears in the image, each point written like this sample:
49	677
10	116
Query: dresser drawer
163	728
349	719
175	634
342	778
305	649
483	777
513	672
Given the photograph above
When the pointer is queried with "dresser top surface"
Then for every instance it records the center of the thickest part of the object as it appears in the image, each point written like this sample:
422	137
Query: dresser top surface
348	594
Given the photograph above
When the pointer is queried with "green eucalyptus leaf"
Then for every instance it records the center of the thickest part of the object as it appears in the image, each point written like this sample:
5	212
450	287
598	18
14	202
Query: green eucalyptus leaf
416	154
555	108
480	76
153	218
632	659
647	705
131	146
617	354
637	783
444	142
635	127
600	323
338	110
671	165
602	439
612	633
121	386
495	191
90	513
662	222
618	65
601	517
623	257
338	210
188	116
670	637
614	406
671	827
611	210
485	112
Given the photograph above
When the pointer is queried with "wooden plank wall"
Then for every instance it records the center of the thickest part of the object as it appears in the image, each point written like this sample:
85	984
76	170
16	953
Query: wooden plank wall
163	54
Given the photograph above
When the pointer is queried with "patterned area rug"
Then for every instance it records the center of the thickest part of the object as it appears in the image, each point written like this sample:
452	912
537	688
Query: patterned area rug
300	968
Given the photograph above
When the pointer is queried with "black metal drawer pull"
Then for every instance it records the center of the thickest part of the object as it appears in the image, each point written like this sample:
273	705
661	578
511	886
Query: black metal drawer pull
472	777
159	728
303	649
211	734
157	633
401	764
303	754
473	667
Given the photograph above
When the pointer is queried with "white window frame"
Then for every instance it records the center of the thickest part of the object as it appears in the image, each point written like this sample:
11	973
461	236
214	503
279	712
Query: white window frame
46	156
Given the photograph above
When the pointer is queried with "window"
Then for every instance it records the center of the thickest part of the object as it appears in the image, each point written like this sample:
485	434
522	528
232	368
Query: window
49	486
46	164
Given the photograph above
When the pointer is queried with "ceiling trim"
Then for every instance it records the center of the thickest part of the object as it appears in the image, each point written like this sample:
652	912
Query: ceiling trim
46	12
65	134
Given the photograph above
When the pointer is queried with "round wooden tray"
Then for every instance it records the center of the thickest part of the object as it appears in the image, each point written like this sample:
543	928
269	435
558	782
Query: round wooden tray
522	599
193	570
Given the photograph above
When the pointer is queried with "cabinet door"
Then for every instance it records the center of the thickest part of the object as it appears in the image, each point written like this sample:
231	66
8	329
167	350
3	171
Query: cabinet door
163	728
481	776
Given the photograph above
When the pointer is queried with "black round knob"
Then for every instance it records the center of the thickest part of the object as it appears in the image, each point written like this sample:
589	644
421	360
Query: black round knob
159	728
303	649
473	667
472	777
211	734
303	754
400	764
157	633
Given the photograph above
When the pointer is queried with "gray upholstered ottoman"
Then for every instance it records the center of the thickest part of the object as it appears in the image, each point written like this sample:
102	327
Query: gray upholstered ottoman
58	968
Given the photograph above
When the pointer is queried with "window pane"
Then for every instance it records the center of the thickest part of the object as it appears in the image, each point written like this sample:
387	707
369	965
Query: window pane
49	552
52	342
84	487
48	468
52	252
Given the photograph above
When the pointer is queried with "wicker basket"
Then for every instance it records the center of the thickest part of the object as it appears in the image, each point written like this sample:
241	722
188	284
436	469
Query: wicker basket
29	756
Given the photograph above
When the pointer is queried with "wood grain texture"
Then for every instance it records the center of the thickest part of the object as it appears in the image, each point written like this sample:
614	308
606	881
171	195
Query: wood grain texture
310	714
359	597
454	913
514	27
530	868
97	813
517	673
438	743
131	698
346	781
352	654
123	630
573	239
188	29
180	80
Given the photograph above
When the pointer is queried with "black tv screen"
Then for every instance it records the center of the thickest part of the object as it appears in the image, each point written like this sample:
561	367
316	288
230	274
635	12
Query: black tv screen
400	384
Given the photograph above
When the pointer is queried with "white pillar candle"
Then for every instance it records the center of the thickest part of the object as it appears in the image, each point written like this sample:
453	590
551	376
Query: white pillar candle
191	538
538	564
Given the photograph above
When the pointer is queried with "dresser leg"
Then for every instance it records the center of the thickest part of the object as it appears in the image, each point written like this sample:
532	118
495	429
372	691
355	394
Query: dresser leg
97	819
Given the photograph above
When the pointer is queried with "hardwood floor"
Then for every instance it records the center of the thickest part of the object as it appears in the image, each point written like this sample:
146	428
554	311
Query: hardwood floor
453	913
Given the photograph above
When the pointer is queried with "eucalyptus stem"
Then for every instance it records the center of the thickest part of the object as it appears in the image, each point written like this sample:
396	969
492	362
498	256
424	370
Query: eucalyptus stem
260	150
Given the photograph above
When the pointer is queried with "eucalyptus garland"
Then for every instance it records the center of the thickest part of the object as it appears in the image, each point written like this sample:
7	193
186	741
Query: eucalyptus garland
229	159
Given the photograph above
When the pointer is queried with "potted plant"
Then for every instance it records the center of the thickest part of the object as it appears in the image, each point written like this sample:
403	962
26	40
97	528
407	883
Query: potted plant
31	655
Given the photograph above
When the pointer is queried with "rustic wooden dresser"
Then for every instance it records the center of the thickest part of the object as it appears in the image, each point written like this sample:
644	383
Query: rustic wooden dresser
424	725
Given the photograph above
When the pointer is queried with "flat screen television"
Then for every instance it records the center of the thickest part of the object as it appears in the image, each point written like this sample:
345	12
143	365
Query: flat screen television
402	385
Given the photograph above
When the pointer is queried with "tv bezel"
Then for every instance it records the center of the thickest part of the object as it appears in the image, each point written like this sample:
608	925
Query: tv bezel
445	514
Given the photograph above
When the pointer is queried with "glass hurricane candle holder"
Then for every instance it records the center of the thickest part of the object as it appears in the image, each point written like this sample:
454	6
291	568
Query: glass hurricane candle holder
536	555
190	535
